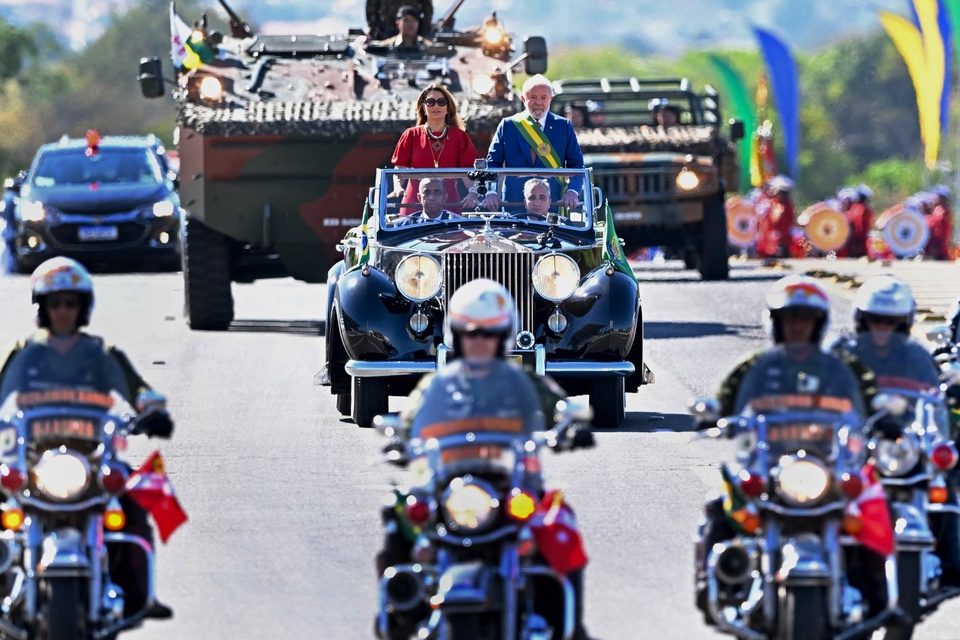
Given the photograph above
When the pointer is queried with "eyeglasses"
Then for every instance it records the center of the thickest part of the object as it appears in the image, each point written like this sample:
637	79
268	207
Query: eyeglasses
435	102
69	303
481	333
877	319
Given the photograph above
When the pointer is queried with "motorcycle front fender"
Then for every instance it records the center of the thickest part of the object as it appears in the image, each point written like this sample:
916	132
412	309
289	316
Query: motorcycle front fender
63	554
912	530
804	561
469	588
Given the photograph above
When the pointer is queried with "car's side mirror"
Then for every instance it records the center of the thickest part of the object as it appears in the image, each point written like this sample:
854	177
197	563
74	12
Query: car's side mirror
151	77
535	48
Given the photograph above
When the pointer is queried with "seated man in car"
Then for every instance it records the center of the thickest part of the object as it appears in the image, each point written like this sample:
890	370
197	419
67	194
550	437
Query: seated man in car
431	194
536	196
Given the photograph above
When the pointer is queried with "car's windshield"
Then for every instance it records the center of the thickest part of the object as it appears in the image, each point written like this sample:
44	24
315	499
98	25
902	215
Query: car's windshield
409	197
57	167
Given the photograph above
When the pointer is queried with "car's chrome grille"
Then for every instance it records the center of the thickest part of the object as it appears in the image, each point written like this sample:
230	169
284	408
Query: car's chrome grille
512	270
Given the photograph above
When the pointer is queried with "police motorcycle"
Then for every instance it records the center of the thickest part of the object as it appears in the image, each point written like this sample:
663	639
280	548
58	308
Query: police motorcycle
62	518
474	497
783	574
947	356
913	460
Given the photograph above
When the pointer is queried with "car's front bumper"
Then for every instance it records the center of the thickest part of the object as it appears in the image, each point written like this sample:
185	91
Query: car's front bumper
137	238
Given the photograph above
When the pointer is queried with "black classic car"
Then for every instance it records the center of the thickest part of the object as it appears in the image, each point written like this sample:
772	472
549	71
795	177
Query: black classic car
98	199
578	302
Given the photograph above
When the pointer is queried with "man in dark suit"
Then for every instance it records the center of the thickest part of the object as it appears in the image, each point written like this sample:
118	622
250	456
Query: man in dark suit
431	193
536	138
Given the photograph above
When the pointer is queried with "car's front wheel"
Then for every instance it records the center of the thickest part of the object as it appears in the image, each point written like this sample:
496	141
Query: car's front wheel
609	401
370	398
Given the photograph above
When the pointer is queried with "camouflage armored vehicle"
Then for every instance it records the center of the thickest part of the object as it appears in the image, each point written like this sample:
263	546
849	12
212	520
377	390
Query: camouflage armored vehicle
280	137
665	184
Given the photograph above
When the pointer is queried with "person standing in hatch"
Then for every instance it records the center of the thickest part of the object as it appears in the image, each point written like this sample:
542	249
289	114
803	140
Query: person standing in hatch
439	140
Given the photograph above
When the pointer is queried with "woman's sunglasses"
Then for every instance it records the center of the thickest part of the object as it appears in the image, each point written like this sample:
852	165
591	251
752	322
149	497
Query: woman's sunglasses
435	102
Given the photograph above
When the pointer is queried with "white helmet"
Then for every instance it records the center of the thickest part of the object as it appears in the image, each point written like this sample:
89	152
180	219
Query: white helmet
884	296
481	305
62	274
796	292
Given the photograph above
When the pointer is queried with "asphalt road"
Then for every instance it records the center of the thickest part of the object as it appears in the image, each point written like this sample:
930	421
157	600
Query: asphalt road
283	495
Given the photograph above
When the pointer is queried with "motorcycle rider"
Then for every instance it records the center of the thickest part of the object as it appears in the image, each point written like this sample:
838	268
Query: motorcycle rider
480	326
883	312
796	317
60	355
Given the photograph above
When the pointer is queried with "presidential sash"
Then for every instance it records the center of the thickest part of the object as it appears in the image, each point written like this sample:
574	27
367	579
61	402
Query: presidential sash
536	137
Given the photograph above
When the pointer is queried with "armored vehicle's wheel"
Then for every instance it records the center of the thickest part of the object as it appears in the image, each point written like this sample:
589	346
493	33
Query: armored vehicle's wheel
713	255
208	301
609	402
369	399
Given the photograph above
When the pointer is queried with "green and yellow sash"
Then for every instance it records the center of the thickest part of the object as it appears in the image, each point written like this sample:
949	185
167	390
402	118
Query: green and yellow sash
537	139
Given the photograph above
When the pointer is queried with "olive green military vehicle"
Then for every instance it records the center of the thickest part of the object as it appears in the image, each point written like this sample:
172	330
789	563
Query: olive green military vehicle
665	178
280	137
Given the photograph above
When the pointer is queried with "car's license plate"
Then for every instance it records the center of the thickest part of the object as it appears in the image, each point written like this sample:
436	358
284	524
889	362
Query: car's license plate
105	232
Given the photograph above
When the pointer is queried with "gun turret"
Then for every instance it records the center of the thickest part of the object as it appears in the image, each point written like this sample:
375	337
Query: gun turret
238	28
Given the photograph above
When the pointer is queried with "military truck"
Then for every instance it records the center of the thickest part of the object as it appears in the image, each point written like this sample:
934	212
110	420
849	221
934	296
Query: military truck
280	136
665	184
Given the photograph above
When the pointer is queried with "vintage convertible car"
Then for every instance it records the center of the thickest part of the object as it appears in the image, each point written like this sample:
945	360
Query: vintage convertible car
579	308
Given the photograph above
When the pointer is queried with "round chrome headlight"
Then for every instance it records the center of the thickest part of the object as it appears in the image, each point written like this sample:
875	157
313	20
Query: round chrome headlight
897	457
802	481
61	475
469	505
556	277
418	277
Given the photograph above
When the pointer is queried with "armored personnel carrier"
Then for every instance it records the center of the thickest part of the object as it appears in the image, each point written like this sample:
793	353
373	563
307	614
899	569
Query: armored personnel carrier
280	136
664	176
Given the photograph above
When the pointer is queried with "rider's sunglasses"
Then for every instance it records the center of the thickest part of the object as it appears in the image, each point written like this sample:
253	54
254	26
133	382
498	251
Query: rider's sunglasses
878	319
481	333
69	303
434	102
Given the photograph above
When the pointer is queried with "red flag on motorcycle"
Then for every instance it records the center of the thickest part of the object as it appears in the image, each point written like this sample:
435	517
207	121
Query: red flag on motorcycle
877	530
555	530
151	488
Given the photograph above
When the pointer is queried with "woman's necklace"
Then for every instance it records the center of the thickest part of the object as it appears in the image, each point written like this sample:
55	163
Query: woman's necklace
437	144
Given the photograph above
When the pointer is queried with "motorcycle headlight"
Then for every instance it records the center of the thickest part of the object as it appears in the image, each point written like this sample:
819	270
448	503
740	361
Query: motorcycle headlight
418	277
32	211
61	476
469	505
802	481
556	277
897	457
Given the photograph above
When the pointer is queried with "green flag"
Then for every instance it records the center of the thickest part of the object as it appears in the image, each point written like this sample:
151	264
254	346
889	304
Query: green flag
364	240
736	91
612	251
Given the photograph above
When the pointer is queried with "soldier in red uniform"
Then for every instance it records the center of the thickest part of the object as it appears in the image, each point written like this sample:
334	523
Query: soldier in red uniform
860	217
773	229
940	224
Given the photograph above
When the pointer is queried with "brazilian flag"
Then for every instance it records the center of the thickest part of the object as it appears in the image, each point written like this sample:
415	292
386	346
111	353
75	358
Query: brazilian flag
363	254
612	251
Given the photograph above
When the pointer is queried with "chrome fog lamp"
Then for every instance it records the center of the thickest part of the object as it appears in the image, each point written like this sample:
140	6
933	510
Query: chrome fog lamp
687	180
211	89
163	209
897	457
526	340
483	84
802	481
556	277
418	277
469	504
557	322
419	322
61	475
32	211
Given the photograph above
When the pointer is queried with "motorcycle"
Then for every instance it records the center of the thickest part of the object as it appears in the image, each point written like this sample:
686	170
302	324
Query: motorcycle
913	462
783	575
475	499
62	520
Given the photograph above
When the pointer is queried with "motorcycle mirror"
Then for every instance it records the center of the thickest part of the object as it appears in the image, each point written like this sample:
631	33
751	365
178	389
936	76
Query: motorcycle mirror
705	409
893	404
939	333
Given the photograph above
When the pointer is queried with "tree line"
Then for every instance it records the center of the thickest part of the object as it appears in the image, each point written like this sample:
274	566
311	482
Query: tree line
858	107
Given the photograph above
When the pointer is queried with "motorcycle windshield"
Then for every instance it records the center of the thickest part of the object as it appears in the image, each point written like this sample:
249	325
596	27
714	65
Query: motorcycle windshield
492	455
60	414
830	436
